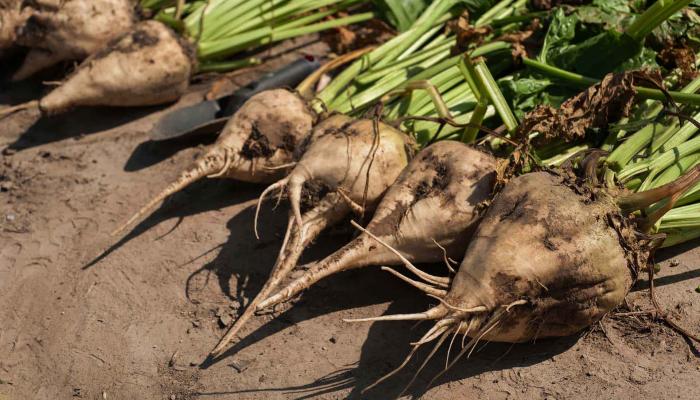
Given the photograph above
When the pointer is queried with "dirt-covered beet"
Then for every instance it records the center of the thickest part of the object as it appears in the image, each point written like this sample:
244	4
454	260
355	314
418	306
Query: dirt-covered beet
434	203
553	246
71	30
552	255
257	144
148	66
352	163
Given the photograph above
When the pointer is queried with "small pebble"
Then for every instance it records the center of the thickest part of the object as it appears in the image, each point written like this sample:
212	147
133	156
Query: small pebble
240	365
6	186
225	320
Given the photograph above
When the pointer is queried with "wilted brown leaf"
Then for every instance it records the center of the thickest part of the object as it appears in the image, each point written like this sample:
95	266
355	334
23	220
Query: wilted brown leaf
524	45
467	34
596	107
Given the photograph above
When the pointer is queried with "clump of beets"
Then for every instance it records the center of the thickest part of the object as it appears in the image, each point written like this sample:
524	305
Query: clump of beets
553	254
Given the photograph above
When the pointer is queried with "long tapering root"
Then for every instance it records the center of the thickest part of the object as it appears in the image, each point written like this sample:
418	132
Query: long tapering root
459	309
452	324
336	208
454	336
324	269
439	343
206	166
295	240
435	331
296	184
429	289
279	271
433	313
7	111
408	358
487	327
275	186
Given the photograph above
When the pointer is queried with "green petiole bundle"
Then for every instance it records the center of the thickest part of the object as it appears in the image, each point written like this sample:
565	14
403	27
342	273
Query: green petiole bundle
223	29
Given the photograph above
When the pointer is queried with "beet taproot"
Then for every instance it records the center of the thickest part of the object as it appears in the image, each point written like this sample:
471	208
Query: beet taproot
150	65
256	145
349	164
433	204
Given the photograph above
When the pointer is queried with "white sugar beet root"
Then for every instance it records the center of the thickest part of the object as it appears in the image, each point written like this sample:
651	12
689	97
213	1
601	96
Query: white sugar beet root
551	256
346	166
256	145
148	66
58	31
432	204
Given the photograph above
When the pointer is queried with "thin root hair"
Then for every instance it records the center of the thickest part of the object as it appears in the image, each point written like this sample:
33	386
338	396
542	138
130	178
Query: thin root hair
435	280
276	185
424	287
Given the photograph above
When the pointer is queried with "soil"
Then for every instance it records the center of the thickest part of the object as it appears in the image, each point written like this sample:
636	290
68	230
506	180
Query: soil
138	323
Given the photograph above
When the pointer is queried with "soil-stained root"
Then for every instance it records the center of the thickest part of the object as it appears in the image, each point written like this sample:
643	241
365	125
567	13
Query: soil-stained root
256	145
57	31
148	66
551	256
432	204
346	166
12	17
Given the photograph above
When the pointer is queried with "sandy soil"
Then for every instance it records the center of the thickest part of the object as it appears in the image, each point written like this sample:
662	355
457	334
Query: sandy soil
138	323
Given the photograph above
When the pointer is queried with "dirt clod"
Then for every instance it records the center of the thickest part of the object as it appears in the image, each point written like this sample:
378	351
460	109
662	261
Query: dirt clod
257	145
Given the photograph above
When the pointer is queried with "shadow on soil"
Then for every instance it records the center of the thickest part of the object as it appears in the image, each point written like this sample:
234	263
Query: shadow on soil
205	195
665	255
63	126
149	153
387	343
252	270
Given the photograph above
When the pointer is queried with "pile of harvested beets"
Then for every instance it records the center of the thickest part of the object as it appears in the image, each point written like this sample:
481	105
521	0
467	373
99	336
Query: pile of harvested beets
540	152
